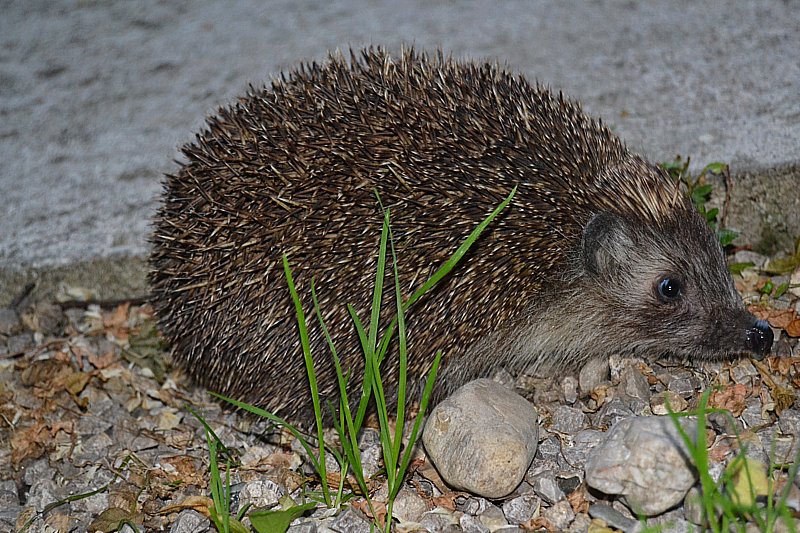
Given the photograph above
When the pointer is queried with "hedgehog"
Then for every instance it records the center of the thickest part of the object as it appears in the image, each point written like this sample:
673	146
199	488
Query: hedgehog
599	252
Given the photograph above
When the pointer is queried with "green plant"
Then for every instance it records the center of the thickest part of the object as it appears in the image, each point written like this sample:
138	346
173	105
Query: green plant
727	504
375	350
700	192
220	513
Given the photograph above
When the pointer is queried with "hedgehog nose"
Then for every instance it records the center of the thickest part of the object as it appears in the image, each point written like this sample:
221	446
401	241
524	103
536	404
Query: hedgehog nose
759	339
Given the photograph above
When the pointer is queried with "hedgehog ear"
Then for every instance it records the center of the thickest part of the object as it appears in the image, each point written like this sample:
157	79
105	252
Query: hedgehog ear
605	244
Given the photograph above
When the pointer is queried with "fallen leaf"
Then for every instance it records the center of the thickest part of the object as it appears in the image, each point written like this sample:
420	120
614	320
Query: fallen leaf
113	518
731	398
577	499
793	329
200	504
719	452
781	319
537	524
29	443
102	361
116	322
447	500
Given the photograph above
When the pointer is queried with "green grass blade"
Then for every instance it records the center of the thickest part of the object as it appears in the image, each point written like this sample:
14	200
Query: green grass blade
277	420
423	407
460	252
312	379
377	293
403	364
366	389
348	433
446	267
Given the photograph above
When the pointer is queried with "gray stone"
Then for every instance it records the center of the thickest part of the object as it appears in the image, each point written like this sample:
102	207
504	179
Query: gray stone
667	401
633	385
438	519
350	521
749	256
568	483
409	506
8	494
560	514
693	509
482	439
751	416
521	509
613	518
567	419
307	526
549	450
369	442
143	442
783	446
685	384
93	450
793	497
190	521
493	518
582	446
645	461
611	413
671	522
9	511
569	385
37	471
261	493
471	524
546	488
9	322
580	524
723	423
20	342
593	373
472	505
789	422
744	372
44	492
45	318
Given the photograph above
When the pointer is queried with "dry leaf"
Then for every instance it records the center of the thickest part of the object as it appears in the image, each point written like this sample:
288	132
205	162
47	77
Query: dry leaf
781	318
760	312
793	329
577	499
447	500
29	443
730	398
116	322
102	361
201	504
719	451
537	524
113	518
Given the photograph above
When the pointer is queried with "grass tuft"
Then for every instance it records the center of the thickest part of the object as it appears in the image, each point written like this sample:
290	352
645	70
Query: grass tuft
374	344
745	491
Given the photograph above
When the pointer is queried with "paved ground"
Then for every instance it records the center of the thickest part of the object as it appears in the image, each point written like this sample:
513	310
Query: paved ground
96	96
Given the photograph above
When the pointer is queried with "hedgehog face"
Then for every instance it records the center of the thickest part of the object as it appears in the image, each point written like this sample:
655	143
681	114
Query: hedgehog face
669	285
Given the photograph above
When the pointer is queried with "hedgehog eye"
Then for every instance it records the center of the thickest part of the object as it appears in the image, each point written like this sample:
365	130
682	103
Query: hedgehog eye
669	289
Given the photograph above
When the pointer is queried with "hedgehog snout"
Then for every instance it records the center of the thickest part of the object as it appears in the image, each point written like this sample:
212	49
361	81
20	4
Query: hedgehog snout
759	339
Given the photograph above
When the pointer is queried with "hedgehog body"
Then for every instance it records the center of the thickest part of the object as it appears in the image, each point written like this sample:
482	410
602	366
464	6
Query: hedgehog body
598	253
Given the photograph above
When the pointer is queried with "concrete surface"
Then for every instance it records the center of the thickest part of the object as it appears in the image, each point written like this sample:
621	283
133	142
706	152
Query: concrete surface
96	96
